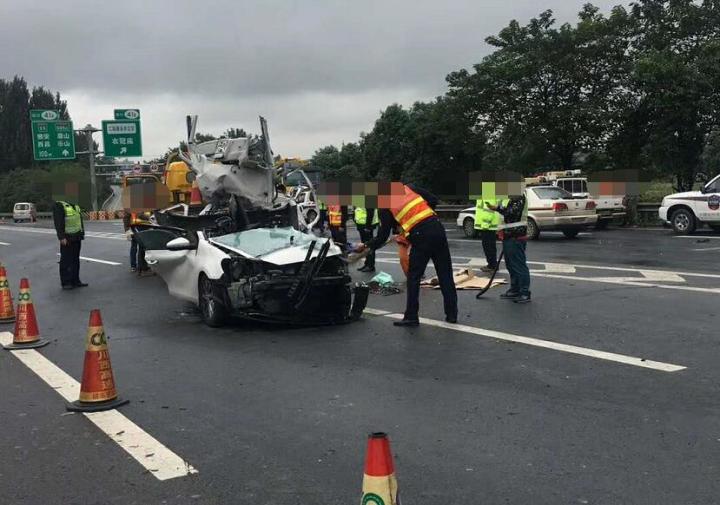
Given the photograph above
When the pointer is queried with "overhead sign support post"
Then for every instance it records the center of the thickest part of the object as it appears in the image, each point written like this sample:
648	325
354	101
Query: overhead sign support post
91	152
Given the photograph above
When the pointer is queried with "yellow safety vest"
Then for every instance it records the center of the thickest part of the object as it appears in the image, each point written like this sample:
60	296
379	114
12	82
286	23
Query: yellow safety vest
486	219
361	216
73	218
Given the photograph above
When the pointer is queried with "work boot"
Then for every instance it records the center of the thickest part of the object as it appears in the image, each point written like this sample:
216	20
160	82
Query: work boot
68	286
407	322
510	295
81	284
522	298
451	319
363	268
487	269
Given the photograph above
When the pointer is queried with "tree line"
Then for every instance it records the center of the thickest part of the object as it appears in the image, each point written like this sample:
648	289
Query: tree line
638	88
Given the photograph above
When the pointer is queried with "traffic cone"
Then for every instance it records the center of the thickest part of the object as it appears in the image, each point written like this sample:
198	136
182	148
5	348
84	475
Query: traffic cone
195	195
7	311
97	391
379	483
26	335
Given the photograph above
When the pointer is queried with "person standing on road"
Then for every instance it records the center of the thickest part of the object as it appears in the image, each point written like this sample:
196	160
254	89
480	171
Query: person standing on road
337	220
412	211
70	230
366	221
137	251
514	239
487	222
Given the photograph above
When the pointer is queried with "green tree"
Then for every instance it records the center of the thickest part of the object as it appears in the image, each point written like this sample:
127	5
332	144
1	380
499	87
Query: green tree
547	93
388	147
676	77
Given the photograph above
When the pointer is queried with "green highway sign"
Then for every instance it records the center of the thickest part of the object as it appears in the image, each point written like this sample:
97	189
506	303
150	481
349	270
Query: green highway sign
127	114
44	115
121	138
53	140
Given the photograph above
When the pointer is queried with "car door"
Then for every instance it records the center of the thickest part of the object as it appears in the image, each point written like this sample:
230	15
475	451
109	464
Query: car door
177	268
711	210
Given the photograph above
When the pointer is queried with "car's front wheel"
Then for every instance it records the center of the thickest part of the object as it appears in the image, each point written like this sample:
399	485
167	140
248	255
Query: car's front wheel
533	232
469	228
210	302
683	221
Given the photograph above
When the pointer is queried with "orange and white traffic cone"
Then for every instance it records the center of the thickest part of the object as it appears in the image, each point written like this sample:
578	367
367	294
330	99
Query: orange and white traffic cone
27	334
97	390
7	311
195	194
379	483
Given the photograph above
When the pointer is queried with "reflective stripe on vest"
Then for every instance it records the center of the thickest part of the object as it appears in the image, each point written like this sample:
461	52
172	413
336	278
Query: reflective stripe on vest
73	218
411	210
334	215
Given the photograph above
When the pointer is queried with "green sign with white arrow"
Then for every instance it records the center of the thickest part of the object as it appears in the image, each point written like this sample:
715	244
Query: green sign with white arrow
53	139
121	138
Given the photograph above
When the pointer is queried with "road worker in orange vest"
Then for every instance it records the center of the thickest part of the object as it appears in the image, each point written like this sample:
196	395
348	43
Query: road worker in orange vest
412	211
337	219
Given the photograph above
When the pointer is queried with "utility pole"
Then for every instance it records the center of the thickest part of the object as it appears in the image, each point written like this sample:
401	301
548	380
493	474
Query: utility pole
88	131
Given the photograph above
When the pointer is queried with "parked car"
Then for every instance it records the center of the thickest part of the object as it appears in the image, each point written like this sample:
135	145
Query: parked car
687	211
549	208
609	207
24	211
271	274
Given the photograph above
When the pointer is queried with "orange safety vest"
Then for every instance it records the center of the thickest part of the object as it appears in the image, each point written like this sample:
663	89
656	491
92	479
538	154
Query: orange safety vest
409	210
334	215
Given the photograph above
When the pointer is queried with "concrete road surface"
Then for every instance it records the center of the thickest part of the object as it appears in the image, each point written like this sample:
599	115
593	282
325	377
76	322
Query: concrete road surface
603	390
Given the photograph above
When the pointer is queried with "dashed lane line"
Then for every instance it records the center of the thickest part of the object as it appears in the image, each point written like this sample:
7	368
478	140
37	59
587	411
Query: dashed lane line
546	344
4	243
48	231
160	461
95	260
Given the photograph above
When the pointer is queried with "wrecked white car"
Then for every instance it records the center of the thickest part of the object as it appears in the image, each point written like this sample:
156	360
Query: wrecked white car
269	274
247	253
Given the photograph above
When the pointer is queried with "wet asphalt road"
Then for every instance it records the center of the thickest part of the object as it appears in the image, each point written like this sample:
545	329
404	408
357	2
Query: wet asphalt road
275	415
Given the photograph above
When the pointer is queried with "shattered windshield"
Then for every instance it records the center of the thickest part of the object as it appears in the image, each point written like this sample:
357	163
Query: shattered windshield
266	240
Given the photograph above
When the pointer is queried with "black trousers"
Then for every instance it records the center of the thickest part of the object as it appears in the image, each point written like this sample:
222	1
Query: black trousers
70	263
429	242
366	234
489	246
339	235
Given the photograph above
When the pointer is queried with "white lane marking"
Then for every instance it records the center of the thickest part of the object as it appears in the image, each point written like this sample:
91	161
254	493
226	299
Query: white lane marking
625	281
559	268
707	249
48	231
654	275
547	344
479	261
93	260
376	312
148	451
628	281
697	236
4	243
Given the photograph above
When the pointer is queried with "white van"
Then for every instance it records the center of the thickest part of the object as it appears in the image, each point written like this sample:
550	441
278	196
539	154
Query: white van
24	211
686	211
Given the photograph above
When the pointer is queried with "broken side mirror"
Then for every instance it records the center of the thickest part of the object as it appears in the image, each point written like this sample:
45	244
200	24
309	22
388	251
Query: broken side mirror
179	244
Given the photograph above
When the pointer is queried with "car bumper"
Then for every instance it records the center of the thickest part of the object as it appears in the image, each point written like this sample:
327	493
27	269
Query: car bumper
663	214
610	214
565	222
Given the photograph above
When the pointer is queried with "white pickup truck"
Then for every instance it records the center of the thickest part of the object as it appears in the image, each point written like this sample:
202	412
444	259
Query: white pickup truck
609	207
687	211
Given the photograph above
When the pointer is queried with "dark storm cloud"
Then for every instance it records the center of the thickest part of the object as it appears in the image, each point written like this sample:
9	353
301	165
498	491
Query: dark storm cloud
249	48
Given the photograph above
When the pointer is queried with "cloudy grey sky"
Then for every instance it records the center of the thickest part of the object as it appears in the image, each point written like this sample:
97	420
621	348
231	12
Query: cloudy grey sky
319	71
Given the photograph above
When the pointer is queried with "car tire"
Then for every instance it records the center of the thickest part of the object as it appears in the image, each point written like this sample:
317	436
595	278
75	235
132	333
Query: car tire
469	228
683	222
533	232
602	224
212	310
571	233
